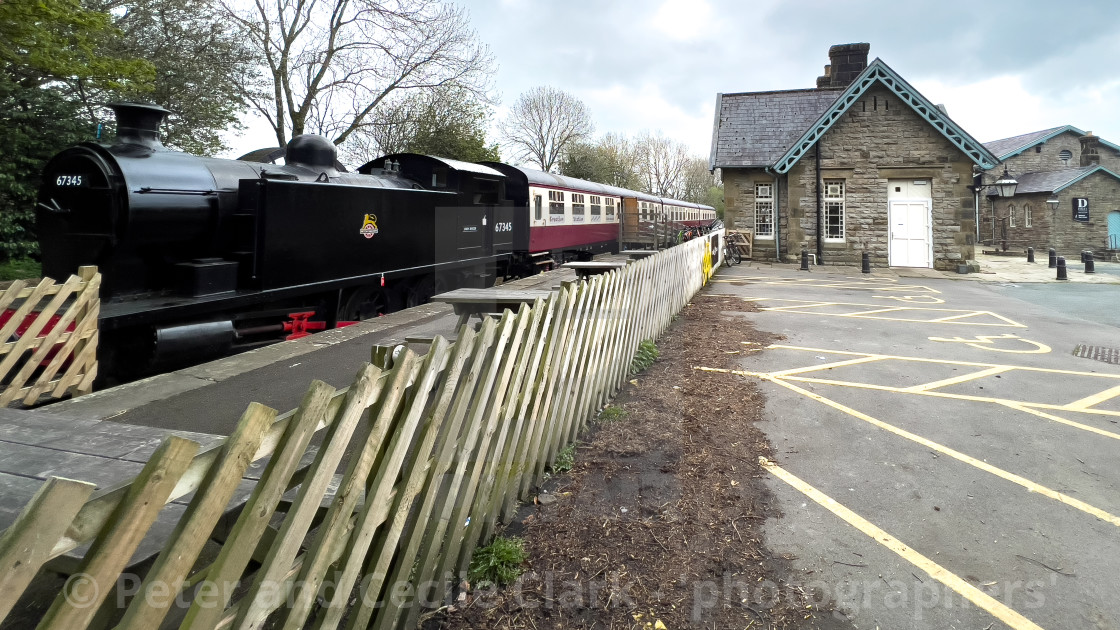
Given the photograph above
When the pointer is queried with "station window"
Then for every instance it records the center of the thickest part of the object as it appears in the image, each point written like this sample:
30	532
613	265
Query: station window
834	209
1011	216
610	208
1028	220
764	210
596	208
577	207
555	206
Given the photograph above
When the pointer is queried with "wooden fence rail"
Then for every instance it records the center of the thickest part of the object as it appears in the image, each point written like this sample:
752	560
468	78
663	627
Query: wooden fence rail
50	333
434	451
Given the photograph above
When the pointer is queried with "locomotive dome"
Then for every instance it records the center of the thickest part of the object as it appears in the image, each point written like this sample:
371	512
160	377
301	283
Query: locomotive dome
310	150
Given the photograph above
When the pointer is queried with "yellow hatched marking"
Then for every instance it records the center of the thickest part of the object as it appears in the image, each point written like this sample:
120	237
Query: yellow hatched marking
1095	399
940	448
995	608
956	379
825	366
877	308
1049	416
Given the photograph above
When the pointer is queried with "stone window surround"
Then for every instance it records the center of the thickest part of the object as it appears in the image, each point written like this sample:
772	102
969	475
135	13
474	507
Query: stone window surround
764	200
839	201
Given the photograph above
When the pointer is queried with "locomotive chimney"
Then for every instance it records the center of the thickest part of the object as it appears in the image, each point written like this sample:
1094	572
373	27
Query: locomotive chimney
138	123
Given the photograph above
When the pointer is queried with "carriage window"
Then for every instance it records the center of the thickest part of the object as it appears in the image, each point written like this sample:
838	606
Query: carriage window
610	208
577	207
537	211
555	206
596	208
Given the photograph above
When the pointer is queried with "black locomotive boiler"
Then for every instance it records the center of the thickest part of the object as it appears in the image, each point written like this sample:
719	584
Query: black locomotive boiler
204	256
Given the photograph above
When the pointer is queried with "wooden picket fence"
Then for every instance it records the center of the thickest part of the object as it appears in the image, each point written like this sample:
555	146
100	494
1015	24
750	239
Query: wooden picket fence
435	451
50	347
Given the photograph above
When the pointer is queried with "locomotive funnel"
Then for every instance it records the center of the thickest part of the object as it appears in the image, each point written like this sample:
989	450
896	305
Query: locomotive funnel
138	123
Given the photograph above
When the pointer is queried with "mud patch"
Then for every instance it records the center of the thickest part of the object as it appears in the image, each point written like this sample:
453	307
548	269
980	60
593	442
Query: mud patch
661	518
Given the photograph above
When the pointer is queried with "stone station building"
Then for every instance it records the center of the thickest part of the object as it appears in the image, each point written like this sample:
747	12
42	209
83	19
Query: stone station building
863	162
1068	195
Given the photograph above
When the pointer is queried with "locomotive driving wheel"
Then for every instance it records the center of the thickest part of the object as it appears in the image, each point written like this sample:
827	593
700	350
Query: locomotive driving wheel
366	302
420	292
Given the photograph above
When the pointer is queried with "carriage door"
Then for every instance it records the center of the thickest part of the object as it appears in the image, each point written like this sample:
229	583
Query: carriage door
909	213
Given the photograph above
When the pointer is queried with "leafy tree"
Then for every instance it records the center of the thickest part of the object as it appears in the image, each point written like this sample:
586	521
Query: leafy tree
200	61
332	64
448	122
544	124
43	45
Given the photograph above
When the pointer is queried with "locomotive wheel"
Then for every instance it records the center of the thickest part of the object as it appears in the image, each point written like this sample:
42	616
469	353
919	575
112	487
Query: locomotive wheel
366	302
420	292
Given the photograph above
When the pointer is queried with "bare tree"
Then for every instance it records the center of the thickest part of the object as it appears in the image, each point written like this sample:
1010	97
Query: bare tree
331	63
662	163
544	124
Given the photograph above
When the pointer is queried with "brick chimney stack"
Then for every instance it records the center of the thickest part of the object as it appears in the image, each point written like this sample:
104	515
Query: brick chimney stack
847	61
1090	149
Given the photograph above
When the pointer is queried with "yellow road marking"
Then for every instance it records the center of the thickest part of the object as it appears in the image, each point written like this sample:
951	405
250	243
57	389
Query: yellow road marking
956	379
825	366
1048	416
1025	368
997	609
1095	399
912	299
790	305
957	455
987	342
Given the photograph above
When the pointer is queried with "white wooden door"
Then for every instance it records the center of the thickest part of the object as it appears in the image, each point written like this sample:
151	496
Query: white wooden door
910	233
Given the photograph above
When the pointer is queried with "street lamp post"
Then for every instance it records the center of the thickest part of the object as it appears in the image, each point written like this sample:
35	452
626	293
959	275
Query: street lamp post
1002	187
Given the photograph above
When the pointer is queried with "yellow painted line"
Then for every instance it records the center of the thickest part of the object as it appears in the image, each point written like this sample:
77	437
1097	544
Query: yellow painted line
878	310
1048	416
952	317
1095	399
825	366
957	455
1024	368
790	308
956	379
969	397
994	607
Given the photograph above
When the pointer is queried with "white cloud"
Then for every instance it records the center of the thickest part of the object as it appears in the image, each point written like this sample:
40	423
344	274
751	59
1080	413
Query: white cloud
682	20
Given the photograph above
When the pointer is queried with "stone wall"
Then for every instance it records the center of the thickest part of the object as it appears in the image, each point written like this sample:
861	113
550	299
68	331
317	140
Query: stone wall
1044	157
1056	228
880	138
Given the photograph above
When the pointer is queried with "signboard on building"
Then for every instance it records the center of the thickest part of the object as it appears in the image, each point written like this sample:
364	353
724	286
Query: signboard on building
1080	209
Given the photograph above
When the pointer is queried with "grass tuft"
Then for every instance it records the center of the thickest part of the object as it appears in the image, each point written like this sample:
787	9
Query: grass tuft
645	356
612	414
497	563
565	459
22	269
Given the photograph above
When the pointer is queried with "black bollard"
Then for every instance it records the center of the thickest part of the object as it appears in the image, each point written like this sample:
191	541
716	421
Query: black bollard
1030	254
1062	268
1085	254
1090	266
804	259
866	263
1053	258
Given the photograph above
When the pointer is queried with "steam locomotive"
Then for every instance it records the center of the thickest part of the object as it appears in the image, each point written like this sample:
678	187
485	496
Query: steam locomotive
202	256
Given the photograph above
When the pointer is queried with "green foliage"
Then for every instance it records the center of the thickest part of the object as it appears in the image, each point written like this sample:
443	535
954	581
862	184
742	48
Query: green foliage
497	563
645	356
60	39
611	160
612	414
447	122
715	199
565	459
22	269
200	62
35	123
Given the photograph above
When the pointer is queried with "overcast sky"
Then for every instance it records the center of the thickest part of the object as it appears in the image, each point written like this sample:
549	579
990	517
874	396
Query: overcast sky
1001	68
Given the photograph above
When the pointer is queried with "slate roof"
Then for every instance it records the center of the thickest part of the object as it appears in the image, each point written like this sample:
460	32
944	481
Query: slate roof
757	128
1008	147
1054	181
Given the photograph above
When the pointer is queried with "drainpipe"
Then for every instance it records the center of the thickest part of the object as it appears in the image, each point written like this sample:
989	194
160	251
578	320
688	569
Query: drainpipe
777	215
820	215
